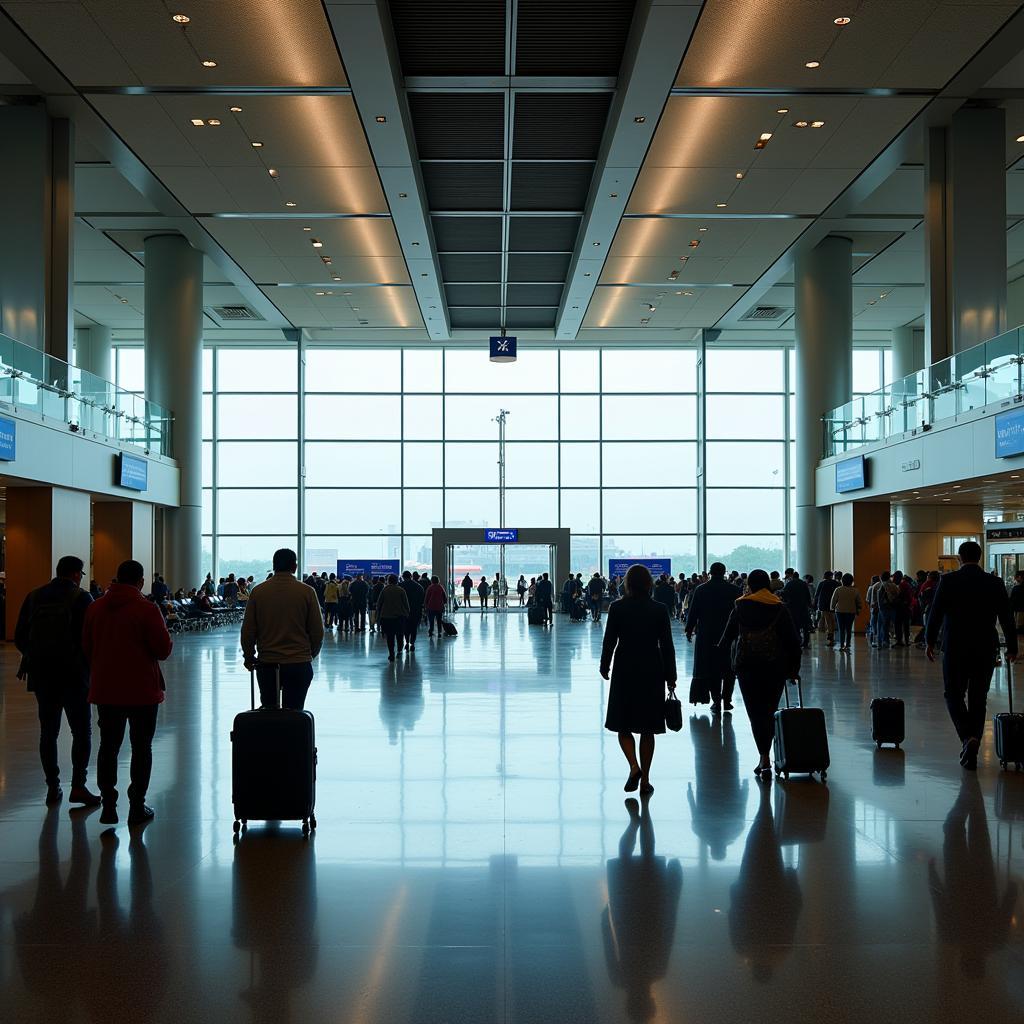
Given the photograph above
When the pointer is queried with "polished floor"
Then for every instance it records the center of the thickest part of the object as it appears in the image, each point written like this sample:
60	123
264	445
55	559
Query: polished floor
475	859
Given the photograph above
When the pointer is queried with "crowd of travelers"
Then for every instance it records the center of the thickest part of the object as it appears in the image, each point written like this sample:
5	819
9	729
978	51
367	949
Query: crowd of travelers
90	646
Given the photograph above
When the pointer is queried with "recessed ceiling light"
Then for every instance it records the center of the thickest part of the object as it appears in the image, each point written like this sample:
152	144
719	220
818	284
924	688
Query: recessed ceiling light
702	229
381	119
256	145
181	19
721	206
403	195
841	21
762	140
289	204
639	119
307	229
209	63
694	242
813	64
800	124
213	122
596	243
1012	477
739	175
335	277
956	487
1020	138
817	124
415	243
236	110
272	171
687	293
321	293
198	122
317	244
587	274
947	499
782	110
613	195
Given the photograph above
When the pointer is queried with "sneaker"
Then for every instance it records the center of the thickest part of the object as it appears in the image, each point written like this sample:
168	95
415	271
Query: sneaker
139	813
81	795
109	814
54	794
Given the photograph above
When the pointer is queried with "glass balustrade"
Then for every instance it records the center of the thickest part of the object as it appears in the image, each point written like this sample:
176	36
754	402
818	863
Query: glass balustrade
33	381
970	380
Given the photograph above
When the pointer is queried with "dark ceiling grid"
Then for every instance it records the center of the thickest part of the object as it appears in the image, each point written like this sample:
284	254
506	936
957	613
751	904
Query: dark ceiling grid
507	142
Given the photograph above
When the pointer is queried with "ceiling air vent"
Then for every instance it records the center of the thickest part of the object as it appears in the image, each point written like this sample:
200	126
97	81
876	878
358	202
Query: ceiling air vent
236	313
765	313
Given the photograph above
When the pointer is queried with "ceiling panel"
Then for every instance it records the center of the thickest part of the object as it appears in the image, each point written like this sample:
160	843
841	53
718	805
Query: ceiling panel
347	307
572	37
467	234
458	126
110	42
450	37
559	126
100	188
629	307
910	44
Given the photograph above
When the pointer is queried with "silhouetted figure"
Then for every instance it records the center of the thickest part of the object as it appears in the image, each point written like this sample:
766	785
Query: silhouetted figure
766	898
639	922
969	911
718	810
706	615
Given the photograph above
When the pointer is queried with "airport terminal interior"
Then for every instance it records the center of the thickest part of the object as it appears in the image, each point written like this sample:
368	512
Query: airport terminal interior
484	290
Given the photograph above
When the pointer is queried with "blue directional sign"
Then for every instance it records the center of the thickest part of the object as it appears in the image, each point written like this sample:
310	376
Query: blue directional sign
501	536
503	350
132	472
8	439
850	475
1009	433
657	566
354	567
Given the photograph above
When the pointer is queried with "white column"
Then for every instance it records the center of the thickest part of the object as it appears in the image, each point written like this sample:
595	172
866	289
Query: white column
174	379
94	351
824	374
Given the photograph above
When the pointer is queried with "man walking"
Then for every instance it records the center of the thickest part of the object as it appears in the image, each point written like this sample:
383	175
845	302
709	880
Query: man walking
49	637
414	592
125	639
823	605
359	591
966	606
546	597
707	615
282	633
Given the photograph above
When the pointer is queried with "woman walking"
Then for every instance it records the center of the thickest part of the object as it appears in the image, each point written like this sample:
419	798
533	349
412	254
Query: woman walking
639	636
846	606
766	652
392	612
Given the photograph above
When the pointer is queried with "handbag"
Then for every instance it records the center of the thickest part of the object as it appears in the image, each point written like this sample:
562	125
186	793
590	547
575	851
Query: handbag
700	691
673	712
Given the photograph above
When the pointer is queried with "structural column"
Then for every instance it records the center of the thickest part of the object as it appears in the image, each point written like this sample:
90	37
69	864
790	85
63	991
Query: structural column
121	530
824	371
37	213
174	379
94	351
920	530
860	544
43	524
965	231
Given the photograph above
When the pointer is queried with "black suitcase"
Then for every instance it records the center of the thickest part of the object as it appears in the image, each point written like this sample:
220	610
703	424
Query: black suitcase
448	628
887	720
536	616
273	765
1009	730
801	742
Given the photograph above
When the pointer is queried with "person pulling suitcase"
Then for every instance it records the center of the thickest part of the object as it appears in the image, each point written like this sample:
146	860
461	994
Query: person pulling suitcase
282	632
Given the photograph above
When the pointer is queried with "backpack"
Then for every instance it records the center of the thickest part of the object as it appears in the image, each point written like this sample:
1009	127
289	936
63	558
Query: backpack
756	647
882	596
51	638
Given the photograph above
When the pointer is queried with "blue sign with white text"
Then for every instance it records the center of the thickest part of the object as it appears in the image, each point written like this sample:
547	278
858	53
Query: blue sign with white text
1010	433
8	439
510	536
657	566
354	567
503	350
850	475
132	472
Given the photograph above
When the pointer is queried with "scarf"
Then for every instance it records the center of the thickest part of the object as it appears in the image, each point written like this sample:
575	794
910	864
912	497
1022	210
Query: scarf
762	597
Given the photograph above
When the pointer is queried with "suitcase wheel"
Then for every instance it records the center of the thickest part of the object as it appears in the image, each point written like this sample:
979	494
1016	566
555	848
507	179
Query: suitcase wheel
305	828
237	826
824	775
312	821
878	744
785	775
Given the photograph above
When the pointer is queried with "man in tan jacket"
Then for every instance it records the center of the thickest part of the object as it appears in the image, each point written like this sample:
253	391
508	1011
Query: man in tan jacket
283	630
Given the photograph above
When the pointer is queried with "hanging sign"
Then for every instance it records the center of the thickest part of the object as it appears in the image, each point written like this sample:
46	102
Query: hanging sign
503	350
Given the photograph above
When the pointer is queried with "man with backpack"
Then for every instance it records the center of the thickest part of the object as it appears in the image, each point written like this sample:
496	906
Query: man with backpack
886	598
49	637
823	605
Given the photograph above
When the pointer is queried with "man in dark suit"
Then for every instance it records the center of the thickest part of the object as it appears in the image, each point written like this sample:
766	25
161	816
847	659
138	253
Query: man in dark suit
545	597
707	616
359	591
797	597
414	592
965	608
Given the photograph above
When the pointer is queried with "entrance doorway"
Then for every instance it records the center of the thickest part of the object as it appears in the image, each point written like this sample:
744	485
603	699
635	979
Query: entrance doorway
460	552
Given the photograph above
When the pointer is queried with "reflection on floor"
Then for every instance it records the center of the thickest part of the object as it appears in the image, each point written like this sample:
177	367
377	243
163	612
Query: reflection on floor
476	860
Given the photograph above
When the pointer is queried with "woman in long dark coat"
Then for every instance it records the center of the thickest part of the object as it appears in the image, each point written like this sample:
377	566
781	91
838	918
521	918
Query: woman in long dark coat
639	635
708	612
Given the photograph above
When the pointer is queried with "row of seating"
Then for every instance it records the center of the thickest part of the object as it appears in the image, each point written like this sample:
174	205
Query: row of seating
188	617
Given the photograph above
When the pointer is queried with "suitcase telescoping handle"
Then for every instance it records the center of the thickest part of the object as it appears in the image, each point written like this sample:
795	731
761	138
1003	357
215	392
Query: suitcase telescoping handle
1009	682
252	687
799	691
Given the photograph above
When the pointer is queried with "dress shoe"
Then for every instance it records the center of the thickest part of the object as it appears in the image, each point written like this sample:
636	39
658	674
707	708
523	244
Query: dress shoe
969	754
54	794
139	813
109	814
81	795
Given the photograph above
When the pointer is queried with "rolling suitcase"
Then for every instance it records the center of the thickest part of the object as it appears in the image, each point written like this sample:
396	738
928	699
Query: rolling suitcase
1009	730
801	742
448	628
887	718
535	616
273	764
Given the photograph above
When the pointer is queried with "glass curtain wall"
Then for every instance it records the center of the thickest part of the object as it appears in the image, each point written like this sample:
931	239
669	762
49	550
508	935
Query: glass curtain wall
362	451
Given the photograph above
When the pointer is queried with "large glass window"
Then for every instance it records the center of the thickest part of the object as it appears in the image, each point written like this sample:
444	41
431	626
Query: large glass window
397	441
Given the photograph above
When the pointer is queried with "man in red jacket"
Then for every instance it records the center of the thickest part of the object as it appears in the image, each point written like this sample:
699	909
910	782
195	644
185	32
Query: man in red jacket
124	640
